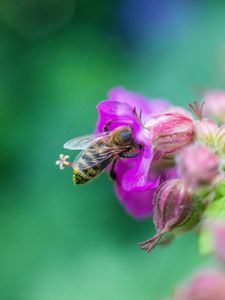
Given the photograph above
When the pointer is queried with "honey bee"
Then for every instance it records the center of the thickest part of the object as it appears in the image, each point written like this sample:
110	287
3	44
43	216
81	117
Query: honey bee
101	150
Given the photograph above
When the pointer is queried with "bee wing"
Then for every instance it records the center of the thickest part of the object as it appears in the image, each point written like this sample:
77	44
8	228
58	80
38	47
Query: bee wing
82	142
94	157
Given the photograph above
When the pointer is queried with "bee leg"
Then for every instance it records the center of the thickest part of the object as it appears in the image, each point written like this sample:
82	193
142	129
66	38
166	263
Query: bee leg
112	172
128	155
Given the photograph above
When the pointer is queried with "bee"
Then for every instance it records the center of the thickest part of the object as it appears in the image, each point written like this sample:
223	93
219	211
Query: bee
101	150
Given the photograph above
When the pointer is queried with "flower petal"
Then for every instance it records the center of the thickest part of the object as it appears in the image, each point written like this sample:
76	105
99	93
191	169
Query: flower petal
143	104
114	108
137	204
138	179
112	111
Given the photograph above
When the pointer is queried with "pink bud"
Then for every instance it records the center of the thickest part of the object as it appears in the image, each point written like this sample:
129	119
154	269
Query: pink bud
220	140
206	131
216	230
220	241
198	165
206	285
215	105
175	209
171	132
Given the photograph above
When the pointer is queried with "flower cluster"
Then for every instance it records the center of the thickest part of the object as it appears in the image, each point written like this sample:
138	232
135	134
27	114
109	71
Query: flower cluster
162	132
173	165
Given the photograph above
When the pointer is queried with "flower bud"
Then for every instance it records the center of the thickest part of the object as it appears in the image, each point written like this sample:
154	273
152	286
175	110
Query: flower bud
206	285
198	165
176	210
215	229
206	132
205	129
220	140
214	107
219	240
171	132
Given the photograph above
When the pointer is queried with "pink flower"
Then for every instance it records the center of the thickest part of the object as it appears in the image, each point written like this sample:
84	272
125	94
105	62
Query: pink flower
135	184
206	285
198	165
161	135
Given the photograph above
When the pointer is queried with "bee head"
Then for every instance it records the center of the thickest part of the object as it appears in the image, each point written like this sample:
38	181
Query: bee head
124	136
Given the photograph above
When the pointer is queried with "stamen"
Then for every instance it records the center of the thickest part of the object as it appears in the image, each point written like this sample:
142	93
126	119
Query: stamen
62	162
197	108
140	113
136	114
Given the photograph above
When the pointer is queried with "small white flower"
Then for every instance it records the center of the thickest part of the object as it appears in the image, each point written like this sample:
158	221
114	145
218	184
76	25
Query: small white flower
62	161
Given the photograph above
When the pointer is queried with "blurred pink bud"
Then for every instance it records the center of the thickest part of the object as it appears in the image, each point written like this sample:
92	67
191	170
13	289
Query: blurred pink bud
198	165
206	285
220	241
206	131
175	209
220	140
215	105
216	230
172	204
172	132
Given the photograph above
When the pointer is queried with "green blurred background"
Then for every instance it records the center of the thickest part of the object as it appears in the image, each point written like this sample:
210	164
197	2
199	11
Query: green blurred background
58	60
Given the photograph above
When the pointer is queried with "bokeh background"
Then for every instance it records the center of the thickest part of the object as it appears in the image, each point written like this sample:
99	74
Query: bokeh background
58	59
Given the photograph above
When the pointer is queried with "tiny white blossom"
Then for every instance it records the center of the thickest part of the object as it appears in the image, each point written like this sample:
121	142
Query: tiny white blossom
62	161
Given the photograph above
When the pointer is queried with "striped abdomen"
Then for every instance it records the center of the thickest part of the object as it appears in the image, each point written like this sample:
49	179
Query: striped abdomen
93	161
